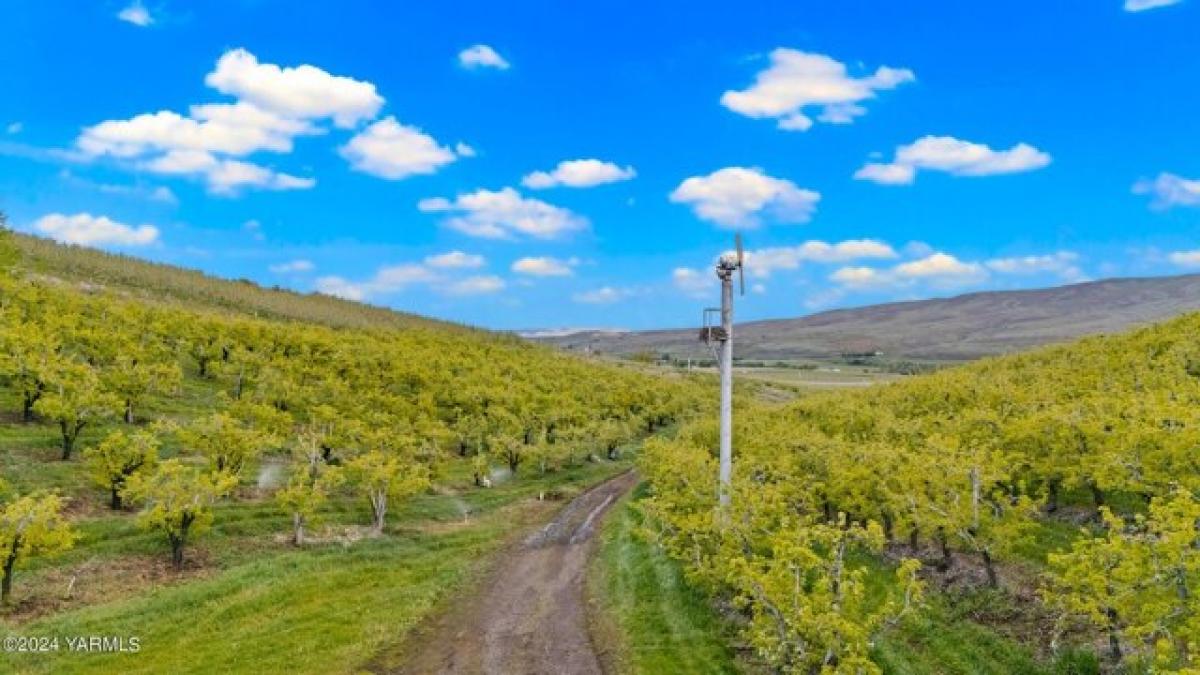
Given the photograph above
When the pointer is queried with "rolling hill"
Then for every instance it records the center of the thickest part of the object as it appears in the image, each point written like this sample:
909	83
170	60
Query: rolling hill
958	328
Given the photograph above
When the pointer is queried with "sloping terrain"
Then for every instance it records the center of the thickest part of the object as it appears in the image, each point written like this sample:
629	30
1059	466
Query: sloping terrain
91	269
958	328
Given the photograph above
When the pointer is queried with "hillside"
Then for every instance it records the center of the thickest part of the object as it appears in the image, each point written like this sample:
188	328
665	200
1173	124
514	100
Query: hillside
958	328
92	269
233	479
1032	513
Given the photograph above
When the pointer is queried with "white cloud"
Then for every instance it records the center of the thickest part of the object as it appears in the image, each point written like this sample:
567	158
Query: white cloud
736	197
392	150
858	277
758	289
481	56
225	176
937	269
455	260
544	267
1185	258
1143	5
14	128
693	282
299	266
136	14
579	173
1061	263
797	80
1169	190
503	213
762	262
480	285
887	174
953	156
393	279
233	129
463	150
85	229
605	295
387	280
937	265
301	92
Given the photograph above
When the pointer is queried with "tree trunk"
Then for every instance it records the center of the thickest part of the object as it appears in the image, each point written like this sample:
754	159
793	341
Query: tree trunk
1114	636
889	527
1052	498
1097	494
178	541
947	556
913	536
9	563
990	566
27	402
379	511
128	411
297	529
68	439
115	503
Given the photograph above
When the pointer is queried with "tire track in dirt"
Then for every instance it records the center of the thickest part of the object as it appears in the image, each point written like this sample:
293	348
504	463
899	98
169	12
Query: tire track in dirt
529	617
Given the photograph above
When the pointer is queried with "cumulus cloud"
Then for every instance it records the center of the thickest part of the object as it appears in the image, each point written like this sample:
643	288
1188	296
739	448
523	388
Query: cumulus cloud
298	266
937	269
478	285
605	295
455	260
1185	258
504	214
1169	190
797	80
544	266
234	129
301	92
439	273
693	282
1061	263
762	262
386	280
136	14
953	156
274	106
481	56
392	150
578	173
225	176
85	229
1143	5
738	197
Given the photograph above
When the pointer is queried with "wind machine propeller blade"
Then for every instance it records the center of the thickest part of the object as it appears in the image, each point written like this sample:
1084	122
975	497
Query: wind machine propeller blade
737	238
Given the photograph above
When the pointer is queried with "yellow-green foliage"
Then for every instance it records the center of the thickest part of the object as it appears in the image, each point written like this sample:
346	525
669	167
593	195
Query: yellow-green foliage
119	456
968	460
177	500
389	400
30	526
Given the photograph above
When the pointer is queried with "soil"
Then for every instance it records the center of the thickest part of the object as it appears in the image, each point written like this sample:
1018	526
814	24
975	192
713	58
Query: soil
529	616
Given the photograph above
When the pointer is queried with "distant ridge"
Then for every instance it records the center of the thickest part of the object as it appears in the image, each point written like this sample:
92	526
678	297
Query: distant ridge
962	327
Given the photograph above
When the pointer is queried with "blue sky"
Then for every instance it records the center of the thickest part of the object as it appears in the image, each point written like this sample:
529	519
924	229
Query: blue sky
541	164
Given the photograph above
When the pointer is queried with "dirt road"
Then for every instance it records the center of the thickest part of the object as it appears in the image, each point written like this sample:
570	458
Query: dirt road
529	616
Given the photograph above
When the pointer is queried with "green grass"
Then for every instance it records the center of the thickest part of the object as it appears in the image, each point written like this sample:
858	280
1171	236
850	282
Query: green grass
262	606
658	623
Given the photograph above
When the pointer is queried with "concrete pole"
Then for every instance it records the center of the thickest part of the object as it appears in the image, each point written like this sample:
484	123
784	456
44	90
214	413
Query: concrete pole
725	272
